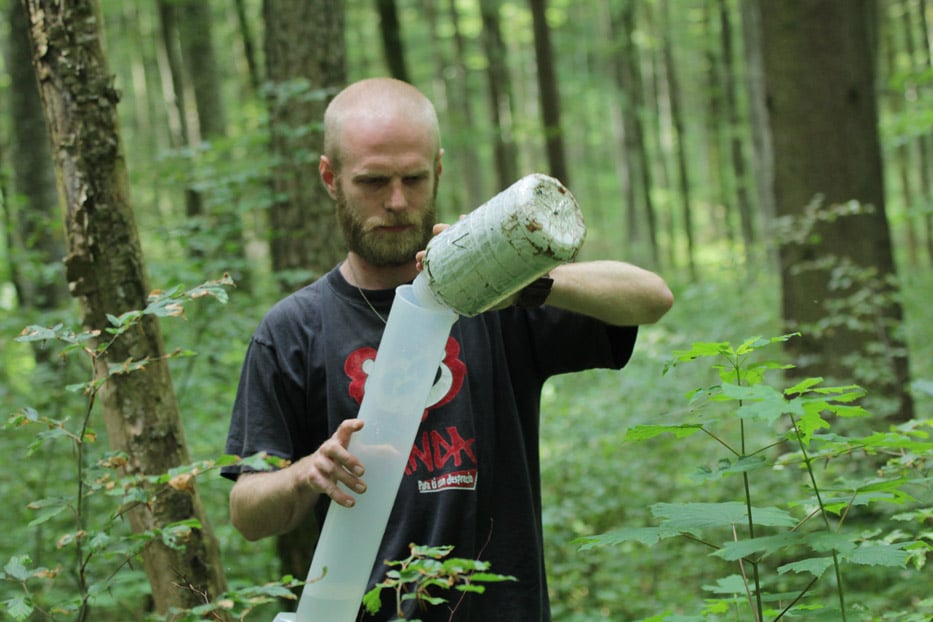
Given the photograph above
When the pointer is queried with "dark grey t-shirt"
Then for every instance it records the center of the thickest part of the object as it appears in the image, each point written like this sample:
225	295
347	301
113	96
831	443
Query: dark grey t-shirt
473	477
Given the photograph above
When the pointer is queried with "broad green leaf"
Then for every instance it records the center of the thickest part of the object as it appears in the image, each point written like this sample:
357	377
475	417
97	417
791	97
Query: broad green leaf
815	566
694	517
16	568
878	554
743	464
20	608
762	546
733	584
47	509
645	432
642	535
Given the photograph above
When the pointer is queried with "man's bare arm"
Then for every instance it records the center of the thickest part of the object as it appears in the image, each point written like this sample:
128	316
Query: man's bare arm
269	503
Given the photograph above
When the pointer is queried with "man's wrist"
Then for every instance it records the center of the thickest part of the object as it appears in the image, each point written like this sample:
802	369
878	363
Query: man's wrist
535	294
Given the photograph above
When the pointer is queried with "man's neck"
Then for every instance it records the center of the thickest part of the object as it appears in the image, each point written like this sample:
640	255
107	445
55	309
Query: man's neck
360	273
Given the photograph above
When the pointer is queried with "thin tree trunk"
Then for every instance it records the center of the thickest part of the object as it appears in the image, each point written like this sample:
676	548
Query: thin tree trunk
249	46
630	87
500	94
105	271
762	148
902	160
924	141
680	137
549	93
223	231
392	43
721	216
34	239
730	99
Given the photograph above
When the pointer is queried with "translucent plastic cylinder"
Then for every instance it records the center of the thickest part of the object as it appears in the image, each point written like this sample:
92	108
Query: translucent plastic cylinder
394	400
500	247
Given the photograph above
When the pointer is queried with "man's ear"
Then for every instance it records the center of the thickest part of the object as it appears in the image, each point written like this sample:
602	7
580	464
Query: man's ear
328	176
438	167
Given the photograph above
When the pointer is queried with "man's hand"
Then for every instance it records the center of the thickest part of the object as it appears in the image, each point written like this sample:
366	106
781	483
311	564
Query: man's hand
419	257
331	465
267	503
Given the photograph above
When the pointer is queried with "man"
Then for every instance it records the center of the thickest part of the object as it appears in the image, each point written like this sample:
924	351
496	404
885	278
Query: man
305	369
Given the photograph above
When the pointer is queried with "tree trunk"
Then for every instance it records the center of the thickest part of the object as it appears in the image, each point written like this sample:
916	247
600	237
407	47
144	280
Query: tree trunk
549	93
305	242
762	151
680	137
391	30
35	243
629	82
223	232
500	94
105	271
819	60
304	49
919	67
249	47
734	133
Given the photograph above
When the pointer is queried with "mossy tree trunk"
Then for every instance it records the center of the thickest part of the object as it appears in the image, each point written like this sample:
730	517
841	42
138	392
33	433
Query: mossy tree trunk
106	273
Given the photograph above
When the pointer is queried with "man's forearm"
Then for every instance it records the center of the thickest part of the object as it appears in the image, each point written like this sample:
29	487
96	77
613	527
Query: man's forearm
615	292
268	503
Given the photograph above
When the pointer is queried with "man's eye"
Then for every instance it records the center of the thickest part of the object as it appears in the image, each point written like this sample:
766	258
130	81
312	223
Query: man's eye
373	182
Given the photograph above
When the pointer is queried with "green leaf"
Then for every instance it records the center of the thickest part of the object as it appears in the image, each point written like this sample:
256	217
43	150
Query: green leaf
814	565
48	509
743	464
694	517
19	608
645	432
643	535
733	584
879	554
763	546
16	568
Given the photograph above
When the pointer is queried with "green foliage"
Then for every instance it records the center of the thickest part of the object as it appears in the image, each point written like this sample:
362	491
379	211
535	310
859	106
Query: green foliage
779	551
92	548
414	577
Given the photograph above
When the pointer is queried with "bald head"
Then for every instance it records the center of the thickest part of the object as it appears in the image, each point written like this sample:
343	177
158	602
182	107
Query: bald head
378	102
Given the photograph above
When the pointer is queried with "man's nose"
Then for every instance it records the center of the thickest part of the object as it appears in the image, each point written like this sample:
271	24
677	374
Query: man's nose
396	199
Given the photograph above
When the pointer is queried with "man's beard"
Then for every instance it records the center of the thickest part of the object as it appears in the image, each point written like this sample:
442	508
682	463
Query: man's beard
381	248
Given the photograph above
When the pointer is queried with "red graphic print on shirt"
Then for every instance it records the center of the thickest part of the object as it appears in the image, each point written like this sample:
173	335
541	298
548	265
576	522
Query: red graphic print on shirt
446	385
441	459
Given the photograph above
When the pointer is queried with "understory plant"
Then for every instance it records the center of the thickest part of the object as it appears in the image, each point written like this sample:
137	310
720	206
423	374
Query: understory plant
849	511
426	571
96	559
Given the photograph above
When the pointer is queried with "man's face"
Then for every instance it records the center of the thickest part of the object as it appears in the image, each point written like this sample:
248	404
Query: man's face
386	237
385	190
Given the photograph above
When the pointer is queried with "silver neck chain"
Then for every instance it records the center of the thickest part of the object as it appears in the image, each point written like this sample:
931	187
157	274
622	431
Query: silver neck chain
356	280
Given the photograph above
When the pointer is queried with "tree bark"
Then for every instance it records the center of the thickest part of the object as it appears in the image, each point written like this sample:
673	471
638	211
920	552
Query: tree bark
105	271
819	60
549	93
302	48
631	91
680	138
34	206
305	50
391	30
500	94
734	133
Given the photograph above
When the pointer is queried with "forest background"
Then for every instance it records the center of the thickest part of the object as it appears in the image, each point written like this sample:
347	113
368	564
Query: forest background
700	138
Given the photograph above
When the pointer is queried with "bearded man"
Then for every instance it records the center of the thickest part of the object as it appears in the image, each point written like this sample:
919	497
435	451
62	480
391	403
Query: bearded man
473	478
